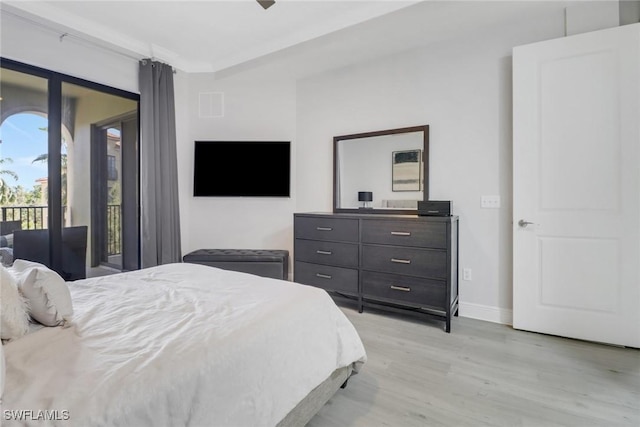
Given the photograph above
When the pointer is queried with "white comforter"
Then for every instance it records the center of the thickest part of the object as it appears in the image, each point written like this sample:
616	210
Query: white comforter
180	345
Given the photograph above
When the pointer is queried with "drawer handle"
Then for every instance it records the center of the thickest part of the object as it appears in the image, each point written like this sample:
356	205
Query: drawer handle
400	288
401	233
401	261
324	228
324	252
323	276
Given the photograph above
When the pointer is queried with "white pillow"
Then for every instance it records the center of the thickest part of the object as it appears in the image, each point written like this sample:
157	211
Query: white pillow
22	265
47	293
14	309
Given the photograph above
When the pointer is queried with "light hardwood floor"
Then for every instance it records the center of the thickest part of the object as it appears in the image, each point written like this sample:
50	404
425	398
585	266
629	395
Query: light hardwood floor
482	374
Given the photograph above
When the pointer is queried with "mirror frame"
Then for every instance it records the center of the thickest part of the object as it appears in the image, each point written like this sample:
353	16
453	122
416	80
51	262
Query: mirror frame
425	169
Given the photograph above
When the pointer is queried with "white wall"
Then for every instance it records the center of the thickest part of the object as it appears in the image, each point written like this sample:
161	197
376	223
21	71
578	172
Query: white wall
35	45
462	90
253	110
184	155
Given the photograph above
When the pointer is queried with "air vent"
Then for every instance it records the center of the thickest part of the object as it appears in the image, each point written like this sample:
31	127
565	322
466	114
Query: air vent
211	105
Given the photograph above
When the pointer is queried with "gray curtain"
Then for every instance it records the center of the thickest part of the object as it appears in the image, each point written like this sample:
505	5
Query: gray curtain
160	216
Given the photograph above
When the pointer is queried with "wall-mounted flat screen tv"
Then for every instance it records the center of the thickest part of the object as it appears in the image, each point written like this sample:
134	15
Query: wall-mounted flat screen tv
242	169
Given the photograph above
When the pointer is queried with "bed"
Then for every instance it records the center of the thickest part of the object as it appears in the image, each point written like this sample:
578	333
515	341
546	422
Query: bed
183	345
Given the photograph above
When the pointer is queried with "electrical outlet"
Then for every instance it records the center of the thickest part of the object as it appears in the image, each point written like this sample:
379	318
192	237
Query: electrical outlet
466	274
490	202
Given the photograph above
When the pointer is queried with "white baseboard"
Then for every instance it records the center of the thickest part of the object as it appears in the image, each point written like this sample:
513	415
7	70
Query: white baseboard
487	313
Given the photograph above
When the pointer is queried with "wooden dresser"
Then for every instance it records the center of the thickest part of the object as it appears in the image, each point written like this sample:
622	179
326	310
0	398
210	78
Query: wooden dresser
394	262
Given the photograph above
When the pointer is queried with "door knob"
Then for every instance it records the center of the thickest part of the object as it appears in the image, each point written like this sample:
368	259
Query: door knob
522	223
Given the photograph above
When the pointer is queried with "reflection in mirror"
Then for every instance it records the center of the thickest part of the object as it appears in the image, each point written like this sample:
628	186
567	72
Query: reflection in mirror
405	171
391	166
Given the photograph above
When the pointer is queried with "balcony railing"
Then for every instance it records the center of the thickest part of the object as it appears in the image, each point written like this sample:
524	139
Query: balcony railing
31	217
114	226
35	218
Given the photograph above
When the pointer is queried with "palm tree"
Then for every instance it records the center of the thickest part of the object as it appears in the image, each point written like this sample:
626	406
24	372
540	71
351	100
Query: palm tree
7	193
44	158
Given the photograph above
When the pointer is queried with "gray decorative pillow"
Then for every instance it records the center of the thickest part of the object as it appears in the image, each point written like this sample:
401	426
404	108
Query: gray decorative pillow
6	240
6	256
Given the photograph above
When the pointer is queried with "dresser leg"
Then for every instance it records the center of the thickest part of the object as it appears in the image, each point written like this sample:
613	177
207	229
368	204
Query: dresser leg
447	327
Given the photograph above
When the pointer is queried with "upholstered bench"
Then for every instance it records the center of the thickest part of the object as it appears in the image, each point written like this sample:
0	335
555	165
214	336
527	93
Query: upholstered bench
261	262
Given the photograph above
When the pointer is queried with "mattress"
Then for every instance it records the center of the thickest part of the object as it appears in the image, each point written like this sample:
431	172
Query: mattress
179	345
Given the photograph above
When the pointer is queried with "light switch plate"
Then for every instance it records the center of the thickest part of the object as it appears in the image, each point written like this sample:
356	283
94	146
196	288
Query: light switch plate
490	202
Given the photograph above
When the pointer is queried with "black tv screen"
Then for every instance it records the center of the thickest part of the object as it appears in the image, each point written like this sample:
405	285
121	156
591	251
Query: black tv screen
242	169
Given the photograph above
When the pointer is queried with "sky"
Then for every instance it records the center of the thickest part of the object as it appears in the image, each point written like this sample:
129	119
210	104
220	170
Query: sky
23	141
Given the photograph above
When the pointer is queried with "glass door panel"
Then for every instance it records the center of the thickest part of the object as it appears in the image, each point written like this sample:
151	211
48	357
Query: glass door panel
92	149
68	172
24	178
114	197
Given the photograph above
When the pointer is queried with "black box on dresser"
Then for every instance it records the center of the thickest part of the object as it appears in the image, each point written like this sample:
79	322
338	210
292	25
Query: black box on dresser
401	263
434	207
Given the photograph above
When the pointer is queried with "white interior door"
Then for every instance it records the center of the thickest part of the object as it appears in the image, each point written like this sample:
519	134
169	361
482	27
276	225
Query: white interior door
576	162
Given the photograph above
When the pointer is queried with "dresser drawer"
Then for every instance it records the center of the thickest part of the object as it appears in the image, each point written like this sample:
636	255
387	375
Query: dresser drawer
320	228
405	233
406	261
406	290
338	279
329	253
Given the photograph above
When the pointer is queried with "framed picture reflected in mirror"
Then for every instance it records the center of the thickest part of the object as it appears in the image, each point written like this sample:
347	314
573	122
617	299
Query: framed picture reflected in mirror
406	170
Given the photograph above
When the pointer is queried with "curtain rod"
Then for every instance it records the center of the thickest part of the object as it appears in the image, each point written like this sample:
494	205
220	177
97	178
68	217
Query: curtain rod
152	59
62	35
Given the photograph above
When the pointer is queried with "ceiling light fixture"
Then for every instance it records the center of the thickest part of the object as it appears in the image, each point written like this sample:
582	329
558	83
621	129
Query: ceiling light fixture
266	4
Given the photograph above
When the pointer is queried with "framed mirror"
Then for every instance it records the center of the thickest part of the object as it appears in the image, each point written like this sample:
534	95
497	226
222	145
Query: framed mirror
381	172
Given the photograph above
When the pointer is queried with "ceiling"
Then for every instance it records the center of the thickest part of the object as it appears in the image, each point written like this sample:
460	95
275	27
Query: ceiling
295	37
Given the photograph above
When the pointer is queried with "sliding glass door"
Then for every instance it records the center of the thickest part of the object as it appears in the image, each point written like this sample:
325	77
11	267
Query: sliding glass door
114	159
24	177
72	177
